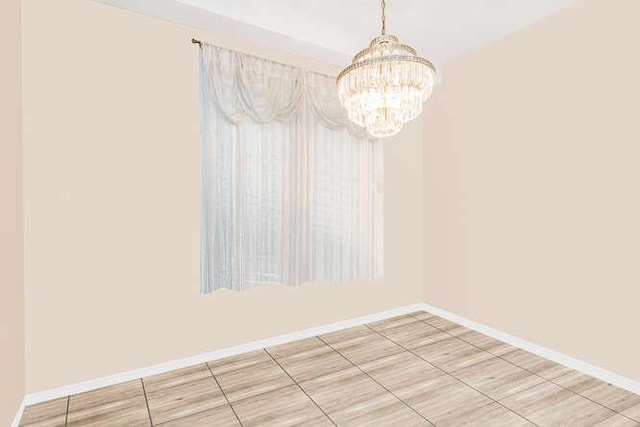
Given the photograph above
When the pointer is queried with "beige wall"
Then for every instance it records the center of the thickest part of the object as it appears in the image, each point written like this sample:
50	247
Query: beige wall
112	203
12	372
531	196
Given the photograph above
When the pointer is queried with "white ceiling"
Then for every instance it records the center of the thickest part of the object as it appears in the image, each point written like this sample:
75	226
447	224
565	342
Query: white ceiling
334	30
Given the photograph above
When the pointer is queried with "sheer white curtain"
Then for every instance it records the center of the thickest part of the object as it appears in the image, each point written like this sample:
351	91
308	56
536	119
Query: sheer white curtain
291	190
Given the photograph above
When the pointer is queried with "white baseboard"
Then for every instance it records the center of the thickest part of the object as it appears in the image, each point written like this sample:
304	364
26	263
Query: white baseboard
586	368
18	417
578	365
84	386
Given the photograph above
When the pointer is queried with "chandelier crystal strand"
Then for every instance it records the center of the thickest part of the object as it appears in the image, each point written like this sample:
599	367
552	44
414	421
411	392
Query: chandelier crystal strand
385	85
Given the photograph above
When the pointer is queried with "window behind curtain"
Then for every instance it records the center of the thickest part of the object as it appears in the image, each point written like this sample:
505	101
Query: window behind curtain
291	189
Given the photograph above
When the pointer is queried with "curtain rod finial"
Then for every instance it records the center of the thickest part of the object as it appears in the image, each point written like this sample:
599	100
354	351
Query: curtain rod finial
195	41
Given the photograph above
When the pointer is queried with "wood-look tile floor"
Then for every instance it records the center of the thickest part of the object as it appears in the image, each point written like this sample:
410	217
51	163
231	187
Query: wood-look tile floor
412	370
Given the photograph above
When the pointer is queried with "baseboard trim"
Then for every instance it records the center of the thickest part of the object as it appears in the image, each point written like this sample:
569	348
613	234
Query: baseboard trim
18	417
85	386
578	365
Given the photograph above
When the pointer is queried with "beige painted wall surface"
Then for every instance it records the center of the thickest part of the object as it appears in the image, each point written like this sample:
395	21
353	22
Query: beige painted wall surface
531	196
12	372
112	204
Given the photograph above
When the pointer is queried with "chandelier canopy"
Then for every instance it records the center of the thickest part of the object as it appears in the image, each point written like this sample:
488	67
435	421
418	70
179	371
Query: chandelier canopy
385	85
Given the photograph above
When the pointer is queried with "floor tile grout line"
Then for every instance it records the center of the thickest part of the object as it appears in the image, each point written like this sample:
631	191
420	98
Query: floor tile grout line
284	386
458	379
66	415
276	359
249	397
279	388
239	400
300	387
634	419
523	390
425	321
453	376
450	335
174	386
146	401
422	345
440	340
223	393
590	399
378	382
182	417
551	380
310	378
514	364
476	363
253	396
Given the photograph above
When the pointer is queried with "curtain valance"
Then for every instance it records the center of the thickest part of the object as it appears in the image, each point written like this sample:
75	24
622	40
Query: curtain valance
245	86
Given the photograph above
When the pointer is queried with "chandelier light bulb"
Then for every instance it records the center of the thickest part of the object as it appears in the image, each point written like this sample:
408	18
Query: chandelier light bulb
385	85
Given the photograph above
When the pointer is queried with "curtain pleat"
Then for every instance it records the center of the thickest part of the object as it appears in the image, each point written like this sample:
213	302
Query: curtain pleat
291	189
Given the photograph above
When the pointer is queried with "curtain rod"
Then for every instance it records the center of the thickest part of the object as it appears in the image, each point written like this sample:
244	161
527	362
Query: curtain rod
200	43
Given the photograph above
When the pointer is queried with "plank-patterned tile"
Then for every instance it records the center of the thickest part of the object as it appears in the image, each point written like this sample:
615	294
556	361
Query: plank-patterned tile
451	354
253	380
393	322
443	399
343	389
288	406
423	315
612	397
492	414
348	334
618	420
296	347
536	364
221	416
401	373
486	343
550	405
447	326
430	377
350	397
382	410
118	405
168	403
47	414
313	363
633	412
177	377
497	378
241	361
362	347
414	335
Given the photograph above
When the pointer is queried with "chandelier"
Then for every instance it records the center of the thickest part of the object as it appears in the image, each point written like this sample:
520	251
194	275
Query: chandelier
385	85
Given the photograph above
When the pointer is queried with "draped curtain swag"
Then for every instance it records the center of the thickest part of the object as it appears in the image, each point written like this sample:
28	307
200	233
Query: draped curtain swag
291	189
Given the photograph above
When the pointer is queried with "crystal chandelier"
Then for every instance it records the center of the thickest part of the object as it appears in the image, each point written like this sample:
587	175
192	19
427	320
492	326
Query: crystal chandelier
385	85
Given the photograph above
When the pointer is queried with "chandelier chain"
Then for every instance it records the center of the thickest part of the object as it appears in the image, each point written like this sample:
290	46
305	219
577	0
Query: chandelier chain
384	18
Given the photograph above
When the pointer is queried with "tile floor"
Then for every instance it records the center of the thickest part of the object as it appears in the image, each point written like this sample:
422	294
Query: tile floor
411	370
